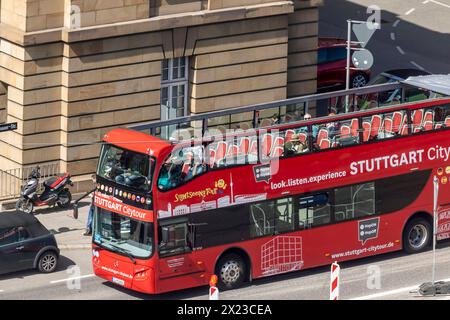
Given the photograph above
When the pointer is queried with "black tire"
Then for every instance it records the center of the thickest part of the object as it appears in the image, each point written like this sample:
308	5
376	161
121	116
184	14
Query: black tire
24	206
231	271
417	235
48	261
67	196
359	80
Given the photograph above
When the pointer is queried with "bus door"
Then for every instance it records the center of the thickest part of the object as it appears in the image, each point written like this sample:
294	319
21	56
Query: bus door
314	216
175	255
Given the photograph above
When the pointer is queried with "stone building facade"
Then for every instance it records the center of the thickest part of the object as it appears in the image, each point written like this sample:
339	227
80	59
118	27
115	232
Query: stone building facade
71	70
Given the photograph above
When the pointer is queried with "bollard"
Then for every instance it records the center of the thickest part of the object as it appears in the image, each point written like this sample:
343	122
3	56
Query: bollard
334	281
213	291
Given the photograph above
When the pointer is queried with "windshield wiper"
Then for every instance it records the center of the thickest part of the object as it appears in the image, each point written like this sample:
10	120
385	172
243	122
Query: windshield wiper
125	252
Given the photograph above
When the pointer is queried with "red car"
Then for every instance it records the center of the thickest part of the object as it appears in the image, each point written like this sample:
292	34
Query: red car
332	63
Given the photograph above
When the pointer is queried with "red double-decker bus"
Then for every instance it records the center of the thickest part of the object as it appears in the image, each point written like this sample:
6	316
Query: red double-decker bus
269	200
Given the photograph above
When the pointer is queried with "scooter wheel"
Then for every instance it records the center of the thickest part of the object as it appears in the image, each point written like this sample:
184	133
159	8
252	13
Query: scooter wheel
24	206
64	199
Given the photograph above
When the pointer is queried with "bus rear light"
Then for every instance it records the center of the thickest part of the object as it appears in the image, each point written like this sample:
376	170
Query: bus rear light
199	263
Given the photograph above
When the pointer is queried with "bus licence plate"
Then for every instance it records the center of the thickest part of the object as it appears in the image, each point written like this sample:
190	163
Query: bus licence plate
118	281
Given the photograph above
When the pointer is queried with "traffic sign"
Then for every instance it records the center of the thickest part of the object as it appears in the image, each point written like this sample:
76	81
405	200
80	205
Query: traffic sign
213	291
8	126
334	281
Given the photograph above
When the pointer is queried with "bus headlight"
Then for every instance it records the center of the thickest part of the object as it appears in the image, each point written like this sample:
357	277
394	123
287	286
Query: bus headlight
142	275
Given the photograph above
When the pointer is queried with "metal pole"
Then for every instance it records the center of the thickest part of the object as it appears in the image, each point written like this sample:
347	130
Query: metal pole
347	81
435	209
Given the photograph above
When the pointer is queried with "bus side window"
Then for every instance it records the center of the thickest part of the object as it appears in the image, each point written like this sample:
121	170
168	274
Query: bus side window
284	221
173	239
313	211
261	219
356	201
182	166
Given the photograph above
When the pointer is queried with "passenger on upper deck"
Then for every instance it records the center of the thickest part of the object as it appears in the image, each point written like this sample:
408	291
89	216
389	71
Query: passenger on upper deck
315	128
295	146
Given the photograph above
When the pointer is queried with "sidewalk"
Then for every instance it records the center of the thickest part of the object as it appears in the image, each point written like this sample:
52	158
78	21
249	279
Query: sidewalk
67	230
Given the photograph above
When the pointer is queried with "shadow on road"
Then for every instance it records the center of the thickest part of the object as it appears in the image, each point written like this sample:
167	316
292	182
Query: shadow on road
64	230
202	292
63	264
56	209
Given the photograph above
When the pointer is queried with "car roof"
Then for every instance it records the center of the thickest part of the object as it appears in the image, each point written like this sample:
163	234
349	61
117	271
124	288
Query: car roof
405	73
13	219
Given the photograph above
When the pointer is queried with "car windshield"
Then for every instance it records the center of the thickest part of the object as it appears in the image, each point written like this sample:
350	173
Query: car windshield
380	79
123	235
126	167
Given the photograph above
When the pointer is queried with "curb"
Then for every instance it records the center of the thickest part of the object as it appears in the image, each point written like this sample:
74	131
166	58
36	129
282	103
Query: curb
74	246
11	204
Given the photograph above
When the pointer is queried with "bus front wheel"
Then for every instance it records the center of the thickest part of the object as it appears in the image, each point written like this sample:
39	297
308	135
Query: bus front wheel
231	271
417	235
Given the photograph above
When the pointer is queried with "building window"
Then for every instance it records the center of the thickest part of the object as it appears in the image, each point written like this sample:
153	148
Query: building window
3	103
174	88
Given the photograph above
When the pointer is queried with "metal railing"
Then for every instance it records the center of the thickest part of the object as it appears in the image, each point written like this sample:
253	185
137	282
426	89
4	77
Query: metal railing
12	180
256	116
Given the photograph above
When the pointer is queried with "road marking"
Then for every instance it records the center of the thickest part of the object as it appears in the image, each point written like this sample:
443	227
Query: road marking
396	23
2	291
392	36
410	11
417	65
437	2
386	293
73	278
400	50
392	292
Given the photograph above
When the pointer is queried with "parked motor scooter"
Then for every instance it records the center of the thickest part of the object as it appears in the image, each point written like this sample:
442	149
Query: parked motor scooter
55	192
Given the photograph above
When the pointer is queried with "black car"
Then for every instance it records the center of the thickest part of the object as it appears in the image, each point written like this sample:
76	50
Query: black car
26	244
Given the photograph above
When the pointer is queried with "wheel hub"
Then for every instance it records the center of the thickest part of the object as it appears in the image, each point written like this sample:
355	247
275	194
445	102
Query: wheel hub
230	272
48	262
359	81
418	236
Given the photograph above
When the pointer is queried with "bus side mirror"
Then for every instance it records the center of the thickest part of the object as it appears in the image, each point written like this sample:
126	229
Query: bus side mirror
164	234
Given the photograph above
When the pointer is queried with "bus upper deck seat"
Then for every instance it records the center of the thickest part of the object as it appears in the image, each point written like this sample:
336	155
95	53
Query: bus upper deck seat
375	126
366	131
397	121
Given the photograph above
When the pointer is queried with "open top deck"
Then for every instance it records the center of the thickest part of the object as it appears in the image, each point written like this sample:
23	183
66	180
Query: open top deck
201	126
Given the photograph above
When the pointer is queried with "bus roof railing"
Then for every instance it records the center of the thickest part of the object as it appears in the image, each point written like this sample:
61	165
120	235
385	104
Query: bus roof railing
201	120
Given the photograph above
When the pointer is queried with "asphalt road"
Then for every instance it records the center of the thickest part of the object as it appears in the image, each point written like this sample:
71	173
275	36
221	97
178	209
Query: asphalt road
398	275
413	34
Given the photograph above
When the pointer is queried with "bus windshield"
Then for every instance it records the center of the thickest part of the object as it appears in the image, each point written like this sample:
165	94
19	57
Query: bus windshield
126	167
123	235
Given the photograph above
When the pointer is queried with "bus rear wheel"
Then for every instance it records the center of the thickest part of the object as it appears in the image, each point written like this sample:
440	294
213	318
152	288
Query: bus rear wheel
231	271
417	235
